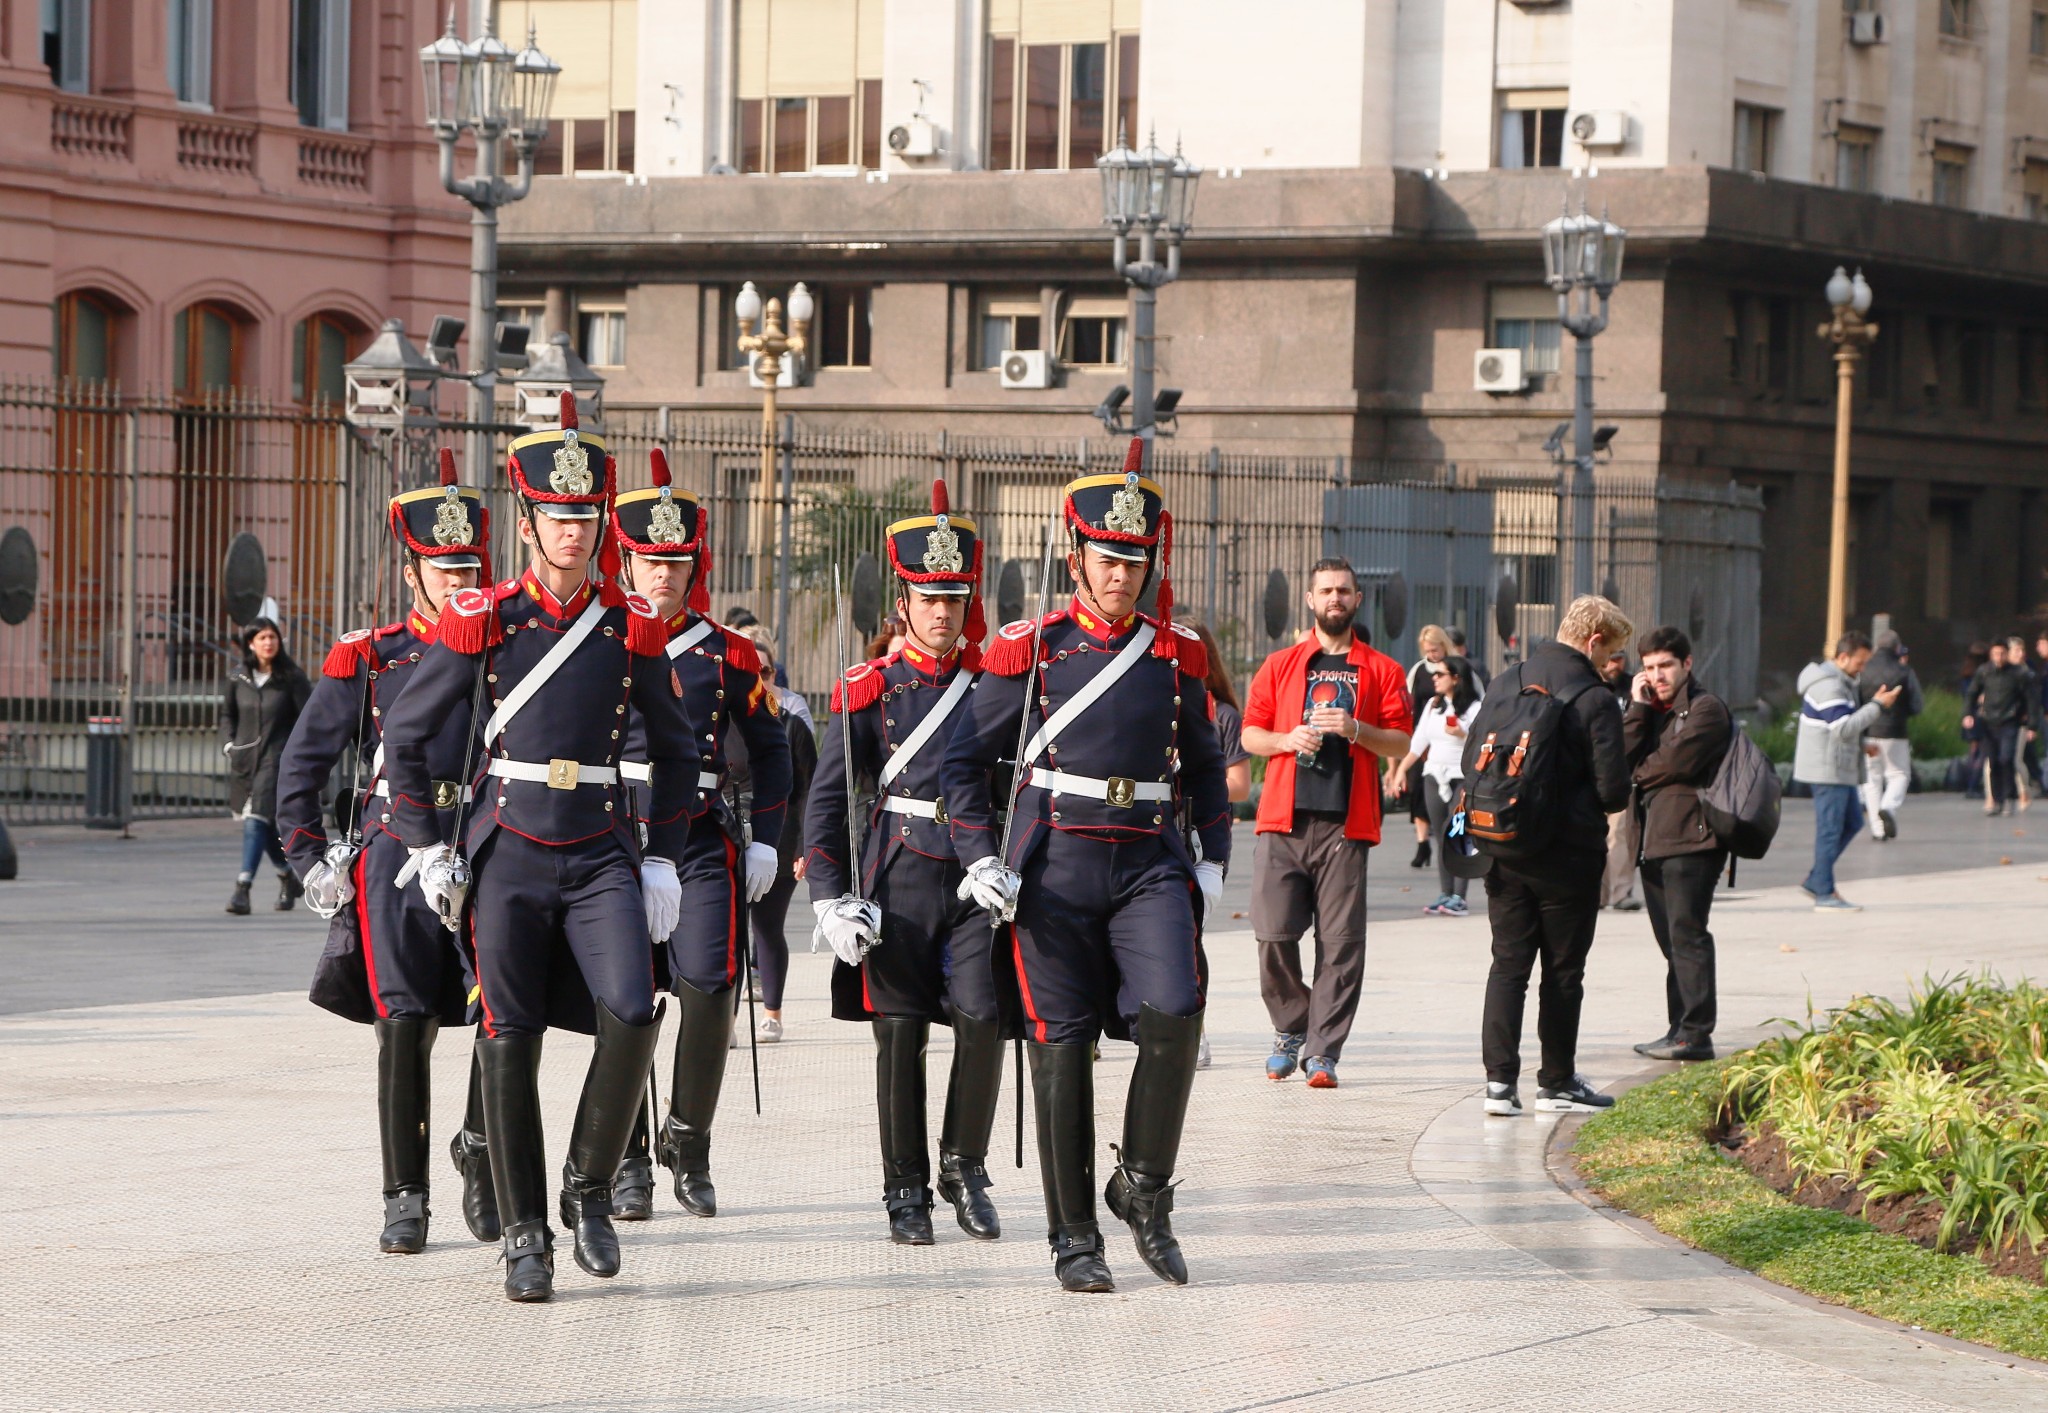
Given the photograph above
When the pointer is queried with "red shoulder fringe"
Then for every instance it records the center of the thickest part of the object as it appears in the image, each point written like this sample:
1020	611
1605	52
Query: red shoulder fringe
646	634
469	622
345	656
860	687
1186	649
740	650
1009	652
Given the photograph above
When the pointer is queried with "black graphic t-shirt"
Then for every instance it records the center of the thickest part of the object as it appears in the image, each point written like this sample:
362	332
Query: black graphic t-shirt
1322	784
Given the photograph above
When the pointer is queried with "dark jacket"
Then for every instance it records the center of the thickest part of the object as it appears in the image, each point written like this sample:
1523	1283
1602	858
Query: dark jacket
1592	780
1885	670
1673	752
255	722
2002	696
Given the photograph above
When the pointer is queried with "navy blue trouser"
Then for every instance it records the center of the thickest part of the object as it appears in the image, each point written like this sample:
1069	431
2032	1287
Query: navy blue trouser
529	896
407	953
1103	925
934	947
705	948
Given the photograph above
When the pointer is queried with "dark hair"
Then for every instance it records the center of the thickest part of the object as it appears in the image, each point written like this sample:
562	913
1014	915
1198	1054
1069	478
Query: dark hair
1221	688
1671	640
1466	690
1852	641
1457	637
1333	564
279	665
739	617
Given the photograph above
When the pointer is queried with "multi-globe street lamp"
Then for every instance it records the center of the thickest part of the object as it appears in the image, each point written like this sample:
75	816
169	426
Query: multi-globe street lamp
1152	194
1582	262
769	349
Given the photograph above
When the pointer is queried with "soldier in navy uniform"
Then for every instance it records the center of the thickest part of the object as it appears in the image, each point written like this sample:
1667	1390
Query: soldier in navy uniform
389	962
1101	882
910	950
723	866
553	662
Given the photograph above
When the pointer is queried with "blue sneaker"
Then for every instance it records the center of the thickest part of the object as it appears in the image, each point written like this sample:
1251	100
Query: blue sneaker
1454	906
1434	908
1320	1071
1286	1056
1835	903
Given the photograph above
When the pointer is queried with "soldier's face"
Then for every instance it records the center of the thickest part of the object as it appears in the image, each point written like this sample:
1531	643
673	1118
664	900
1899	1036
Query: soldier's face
434	584
934	620
565	542
1112	584
665	582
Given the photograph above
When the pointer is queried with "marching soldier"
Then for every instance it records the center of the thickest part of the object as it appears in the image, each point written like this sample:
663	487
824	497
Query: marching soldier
389	962
911	951
1098	877
553	662
663	532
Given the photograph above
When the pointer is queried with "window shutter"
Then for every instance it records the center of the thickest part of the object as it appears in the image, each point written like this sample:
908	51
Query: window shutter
1524	302
813	48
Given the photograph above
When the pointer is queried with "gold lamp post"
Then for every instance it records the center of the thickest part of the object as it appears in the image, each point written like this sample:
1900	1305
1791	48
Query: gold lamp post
1850	333
768	349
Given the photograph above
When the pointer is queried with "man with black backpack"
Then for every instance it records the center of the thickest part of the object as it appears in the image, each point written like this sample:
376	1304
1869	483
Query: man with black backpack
1544	767
1676	736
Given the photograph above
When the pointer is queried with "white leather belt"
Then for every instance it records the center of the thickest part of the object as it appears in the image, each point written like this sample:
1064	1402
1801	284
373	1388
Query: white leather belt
918	809
446	795
642	774
1117	790
556	774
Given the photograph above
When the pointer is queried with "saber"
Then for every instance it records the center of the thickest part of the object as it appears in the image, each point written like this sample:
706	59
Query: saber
747	954
842	622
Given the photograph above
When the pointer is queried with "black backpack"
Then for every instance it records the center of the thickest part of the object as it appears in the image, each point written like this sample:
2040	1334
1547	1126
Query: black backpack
1509	796
1742	803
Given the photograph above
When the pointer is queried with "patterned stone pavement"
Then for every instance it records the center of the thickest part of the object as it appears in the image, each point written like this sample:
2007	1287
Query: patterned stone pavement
192	1196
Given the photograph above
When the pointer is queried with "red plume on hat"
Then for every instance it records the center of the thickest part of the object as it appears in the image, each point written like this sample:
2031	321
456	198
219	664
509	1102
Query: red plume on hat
567	415
447	466
1163	645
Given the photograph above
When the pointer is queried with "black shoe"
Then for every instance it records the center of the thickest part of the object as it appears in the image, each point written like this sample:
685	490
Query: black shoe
1421	859
289	891
633	1190
910	1215
900	1112
1079	1265
703	1034
472	1159
239	903
1063	1096
1890	823
964	1182
614	1094
405	1224
1145	1203
1140	1192
1647	1046
1679	1049
529	1262
587	1216
1573	1096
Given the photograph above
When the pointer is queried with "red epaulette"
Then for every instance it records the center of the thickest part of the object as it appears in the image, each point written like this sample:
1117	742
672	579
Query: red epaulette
861	686
352	651
1010	654
469	622
1187	650
646	633
740	650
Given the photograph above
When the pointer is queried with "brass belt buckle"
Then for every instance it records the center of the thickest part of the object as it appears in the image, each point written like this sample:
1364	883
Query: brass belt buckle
939	815
1121	792
445	794
562	773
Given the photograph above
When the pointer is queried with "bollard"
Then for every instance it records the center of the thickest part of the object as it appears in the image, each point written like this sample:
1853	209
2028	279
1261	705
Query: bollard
106	773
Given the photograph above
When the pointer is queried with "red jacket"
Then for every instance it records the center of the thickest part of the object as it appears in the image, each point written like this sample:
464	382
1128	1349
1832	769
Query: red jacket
1278	691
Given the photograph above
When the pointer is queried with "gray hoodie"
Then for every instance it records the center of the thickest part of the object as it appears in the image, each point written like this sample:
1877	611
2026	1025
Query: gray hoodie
1831	727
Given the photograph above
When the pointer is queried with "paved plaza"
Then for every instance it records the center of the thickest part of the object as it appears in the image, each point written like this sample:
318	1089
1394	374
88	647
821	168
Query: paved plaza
192	1188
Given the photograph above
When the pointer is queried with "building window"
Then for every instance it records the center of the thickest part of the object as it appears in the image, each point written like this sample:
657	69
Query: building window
2033	369
1004	323
1756	138
809	85
1067	93
842	331
2034	190
804	134
1959	18
586	145
1525	317
321	344
319	71
2037	34
1532	128
189	54
601	333
1951	175
206	351
1092	331
1855	158
83	337
67	43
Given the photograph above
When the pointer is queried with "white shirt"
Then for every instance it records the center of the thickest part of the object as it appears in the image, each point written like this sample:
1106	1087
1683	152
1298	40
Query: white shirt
1442	753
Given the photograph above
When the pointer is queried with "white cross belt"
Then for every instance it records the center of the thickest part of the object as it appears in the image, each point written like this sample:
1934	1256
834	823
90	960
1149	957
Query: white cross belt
555	774
1117	790
904	804
640	774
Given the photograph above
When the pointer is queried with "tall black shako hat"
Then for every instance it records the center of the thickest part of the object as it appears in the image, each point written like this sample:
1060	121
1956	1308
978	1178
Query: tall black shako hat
940	554
561	472
662	522
446	523
1125	516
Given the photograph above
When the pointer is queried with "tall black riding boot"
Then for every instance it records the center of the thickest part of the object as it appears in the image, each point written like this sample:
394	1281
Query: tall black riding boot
703	1035
473	1159
519	1164
899	1104
405	1045
614	1090
971	1094
1141	1189
633	1189
1063	1095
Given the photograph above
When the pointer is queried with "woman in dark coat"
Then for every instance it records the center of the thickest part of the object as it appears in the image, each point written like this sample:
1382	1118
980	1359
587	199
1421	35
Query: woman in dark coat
259	704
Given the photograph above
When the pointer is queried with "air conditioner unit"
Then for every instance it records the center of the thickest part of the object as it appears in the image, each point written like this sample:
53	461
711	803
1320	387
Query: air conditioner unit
1498	370
1866	27
1601	127
791	376
917	138
1027	368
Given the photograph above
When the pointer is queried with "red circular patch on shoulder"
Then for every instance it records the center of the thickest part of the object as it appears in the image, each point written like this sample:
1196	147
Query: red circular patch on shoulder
1190	634
470	603
640	605
1020	629
360	635
859	670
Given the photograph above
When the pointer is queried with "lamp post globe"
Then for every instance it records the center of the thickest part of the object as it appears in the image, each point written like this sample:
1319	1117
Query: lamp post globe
441	72
532	93
801	306
1859	297
1839	290
488	61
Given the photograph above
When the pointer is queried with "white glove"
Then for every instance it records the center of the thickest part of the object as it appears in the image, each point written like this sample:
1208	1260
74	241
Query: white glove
761	868
1209	878
444	880
992	886
329	887
663	893
848	925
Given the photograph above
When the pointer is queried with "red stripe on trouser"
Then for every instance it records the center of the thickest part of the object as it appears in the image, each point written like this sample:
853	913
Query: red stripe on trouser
476	961
1024	985
363	921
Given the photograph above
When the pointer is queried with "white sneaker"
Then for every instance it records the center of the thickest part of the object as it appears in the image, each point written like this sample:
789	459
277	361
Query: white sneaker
1502	1099
770	1030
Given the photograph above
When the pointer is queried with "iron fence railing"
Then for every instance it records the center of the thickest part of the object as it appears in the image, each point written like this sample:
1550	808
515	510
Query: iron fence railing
131	505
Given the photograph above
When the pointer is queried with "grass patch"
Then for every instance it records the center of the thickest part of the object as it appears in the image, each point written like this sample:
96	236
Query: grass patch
1649	1155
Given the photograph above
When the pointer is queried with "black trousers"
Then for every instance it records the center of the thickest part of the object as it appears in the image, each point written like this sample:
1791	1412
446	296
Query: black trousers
2004	741
1539	908
1677	892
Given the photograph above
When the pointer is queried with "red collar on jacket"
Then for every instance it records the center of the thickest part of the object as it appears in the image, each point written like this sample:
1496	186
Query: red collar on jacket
925	663
538	592
422	626
1096	626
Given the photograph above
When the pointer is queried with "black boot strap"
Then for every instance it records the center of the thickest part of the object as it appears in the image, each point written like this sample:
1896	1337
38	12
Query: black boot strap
970	1173
903	1199
1066	1244
635	1172
526	1239
401	1205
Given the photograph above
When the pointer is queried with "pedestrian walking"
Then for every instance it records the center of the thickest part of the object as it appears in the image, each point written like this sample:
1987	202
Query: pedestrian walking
1676	735
770	917
2001	704
1618	883
1974	773
1551	734
260	702
1888	772
2027	767
1435	645
1829	757
1323	713
1438	750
